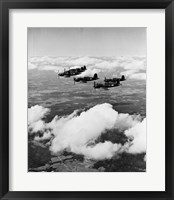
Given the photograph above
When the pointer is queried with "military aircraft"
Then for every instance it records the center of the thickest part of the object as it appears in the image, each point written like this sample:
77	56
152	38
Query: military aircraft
86	78
107	85
72	72
114	79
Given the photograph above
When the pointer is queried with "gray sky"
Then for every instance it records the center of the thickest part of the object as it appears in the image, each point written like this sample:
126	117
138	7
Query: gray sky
86	41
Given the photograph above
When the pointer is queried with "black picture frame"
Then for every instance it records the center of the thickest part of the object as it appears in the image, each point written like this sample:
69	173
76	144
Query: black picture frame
5	6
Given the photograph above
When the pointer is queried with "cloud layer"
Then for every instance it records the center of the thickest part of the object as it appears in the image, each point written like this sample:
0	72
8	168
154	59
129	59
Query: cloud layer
134	67
78	133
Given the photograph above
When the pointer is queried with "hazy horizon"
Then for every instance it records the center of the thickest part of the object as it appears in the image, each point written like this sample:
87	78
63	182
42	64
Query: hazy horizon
98	41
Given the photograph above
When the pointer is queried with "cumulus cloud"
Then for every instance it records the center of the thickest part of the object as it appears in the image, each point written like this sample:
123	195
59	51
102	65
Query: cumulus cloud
78	133
37	126
101	151
80	130
35	115
138	137
88	72
126	121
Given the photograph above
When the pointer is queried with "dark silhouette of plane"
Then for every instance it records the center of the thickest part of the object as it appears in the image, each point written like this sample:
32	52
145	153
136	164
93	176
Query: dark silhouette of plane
107	80
72	72
86	78
107	84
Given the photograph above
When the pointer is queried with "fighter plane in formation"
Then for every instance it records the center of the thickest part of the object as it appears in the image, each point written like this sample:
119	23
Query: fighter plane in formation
114	79
109	82
85	79
107	85
72	72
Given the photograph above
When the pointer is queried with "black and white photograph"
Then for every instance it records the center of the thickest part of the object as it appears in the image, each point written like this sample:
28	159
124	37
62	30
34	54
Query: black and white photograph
87	99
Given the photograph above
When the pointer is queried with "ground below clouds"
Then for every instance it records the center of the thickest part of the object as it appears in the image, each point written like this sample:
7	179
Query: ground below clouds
41	160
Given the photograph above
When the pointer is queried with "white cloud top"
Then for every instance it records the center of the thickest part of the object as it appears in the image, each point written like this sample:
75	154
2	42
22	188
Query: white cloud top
78	133
133	67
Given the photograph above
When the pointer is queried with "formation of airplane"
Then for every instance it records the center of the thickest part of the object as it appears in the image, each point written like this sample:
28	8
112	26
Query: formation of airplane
107	83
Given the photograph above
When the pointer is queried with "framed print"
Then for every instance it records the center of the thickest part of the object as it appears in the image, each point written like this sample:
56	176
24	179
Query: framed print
86	99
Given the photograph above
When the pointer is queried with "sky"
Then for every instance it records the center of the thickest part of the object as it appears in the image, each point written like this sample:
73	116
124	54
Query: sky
87	41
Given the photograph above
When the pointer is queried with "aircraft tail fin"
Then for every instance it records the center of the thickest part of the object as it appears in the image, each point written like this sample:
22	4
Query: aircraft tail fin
95	76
